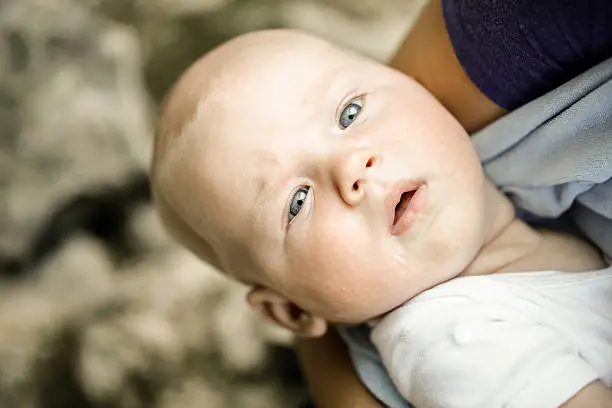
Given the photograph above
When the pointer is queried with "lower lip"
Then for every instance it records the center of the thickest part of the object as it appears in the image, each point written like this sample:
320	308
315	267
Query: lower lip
415	207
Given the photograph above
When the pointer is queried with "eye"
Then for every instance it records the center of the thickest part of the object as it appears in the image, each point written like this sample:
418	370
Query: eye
350	113
297	201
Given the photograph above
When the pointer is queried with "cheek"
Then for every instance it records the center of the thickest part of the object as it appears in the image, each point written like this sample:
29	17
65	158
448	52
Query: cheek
420	129
341	270
331	250
454	232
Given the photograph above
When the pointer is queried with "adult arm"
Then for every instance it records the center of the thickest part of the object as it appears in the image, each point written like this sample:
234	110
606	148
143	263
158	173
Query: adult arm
594	395
481	58
331	378
427	55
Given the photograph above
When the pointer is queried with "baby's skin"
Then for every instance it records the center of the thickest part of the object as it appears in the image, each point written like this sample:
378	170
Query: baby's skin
332	185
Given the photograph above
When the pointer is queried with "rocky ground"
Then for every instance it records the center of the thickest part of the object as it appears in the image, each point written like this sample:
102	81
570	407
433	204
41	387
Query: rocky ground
90	325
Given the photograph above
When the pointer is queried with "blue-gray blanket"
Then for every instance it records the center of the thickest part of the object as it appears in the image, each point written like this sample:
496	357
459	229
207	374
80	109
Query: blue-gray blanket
553	159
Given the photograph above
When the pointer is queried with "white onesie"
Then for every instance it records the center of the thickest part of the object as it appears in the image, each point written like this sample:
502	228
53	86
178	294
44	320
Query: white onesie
506	340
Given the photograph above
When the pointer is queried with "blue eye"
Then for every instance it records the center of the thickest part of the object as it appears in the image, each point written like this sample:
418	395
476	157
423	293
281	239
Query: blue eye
297	201
350	113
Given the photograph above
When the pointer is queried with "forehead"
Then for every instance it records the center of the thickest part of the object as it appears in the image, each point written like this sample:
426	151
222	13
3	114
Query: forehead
250	114
265	94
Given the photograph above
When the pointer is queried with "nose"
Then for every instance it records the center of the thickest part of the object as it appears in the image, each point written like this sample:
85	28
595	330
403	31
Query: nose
349	172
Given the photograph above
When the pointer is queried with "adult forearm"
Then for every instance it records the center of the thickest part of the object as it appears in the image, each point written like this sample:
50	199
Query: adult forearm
427	55
594	395
332	381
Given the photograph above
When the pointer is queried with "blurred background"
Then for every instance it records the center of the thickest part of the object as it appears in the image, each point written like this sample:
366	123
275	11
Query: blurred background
98	308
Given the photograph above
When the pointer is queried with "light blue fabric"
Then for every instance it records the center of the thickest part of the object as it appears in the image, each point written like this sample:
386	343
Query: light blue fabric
553	159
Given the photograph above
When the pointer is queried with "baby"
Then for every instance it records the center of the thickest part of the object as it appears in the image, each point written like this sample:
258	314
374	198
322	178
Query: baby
341	191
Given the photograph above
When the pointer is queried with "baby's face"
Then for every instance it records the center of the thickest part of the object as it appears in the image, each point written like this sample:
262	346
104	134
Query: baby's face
331	179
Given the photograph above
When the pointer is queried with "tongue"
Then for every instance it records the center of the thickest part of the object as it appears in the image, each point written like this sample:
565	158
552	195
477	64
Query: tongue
402	206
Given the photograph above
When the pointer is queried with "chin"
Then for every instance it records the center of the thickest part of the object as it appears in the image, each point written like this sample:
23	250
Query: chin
357	315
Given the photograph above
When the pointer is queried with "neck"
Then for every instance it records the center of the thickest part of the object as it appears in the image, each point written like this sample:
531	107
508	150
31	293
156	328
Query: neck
513	246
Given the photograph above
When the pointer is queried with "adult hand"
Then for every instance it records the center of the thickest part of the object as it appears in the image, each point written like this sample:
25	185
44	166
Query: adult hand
331	379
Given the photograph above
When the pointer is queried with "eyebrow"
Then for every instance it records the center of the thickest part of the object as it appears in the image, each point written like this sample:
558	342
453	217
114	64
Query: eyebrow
340	79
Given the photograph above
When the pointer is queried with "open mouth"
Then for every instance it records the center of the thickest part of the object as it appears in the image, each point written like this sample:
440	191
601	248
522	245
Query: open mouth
402	205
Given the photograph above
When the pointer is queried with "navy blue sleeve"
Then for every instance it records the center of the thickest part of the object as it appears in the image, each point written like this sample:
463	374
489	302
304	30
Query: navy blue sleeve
517	50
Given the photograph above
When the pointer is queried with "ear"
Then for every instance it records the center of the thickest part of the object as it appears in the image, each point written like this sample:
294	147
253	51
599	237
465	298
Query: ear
277	309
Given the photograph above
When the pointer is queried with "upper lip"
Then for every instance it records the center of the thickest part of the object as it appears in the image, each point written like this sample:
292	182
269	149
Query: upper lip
395	196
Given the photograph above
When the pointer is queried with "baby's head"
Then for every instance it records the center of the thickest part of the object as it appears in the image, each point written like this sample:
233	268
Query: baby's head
335	186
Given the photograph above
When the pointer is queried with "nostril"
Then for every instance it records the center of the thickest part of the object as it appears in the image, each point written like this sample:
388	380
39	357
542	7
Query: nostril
370	162
356	186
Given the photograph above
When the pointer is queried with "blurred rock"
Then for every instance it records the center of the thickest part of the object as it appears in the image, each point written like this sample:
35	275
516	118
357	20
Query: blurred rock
174	8
372	28
191	393
73	80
